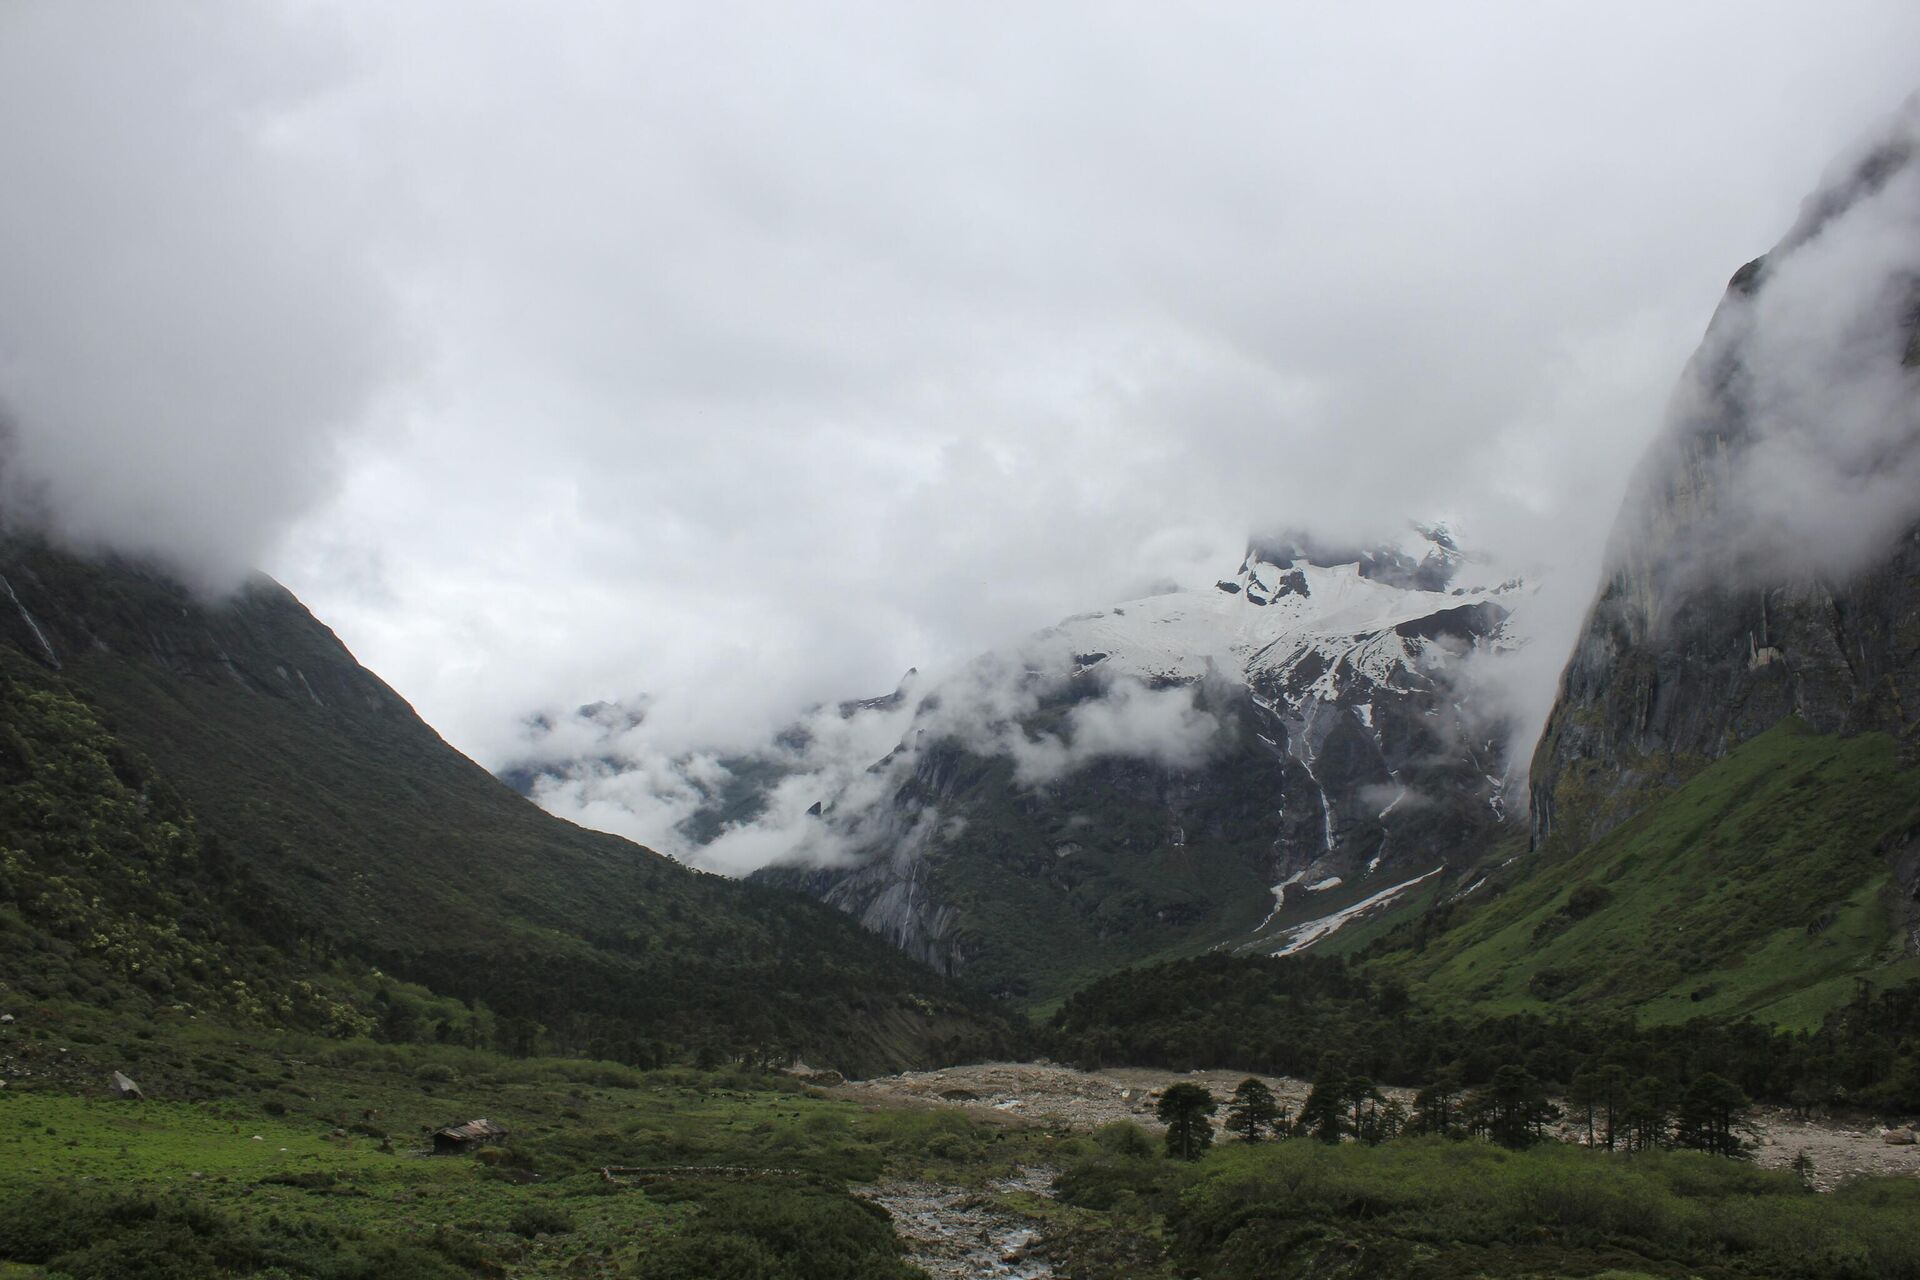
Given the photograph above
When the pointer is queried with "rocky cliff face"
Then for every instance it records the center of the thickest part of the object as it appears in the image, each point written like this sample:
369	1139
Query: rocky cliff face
1767	561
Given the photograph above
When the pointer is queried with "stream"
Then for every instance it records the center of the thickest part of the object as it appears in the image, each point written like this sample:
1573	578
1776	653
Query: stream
956	1233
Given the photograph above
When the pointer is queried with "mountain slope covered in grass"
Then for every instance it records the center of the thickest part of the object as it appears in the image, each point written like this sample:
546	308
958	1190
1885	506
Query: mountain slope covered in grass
1760	887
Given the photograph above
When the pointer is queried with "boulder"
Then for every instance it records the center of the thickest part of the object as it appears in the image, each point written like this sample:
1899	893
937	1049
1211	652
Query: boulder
123	1086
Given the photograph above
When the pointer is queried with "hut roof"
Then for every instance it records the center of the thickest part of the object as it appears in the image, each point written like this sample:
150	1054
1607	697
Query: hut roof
472	1131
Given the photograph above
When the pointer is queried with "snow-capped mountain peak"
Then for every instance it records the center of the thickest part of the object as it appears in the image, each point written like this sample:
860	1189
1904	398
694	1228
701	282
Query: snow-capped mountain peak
1297	615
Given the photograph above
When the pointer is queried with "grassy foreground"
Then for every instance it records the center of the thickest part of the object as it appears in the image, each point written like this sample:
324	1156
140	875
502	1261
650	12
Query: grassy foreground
1433	1208
294	1156
302	1157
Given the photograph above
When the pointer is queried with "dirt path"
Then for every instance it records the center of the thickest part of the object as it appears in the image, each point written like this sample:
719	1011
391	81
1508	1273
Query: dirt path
1839	1148
957	1233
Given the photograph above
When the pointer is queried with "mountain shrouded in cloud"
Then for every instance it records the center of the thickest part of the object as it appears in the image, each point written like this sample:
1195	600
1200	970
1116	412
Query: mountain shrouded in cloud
1764	565
1725	796
1319	743
195	314
1253	760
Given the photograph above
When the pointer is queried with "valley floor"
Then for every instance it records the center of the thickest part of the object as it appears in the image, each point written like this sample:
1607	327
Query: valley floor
1841	1147
285	1156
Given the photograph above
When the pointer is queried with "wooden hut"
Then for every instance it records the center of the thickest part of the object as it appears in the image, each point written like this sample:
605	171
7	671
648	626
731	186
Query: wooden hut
458	1138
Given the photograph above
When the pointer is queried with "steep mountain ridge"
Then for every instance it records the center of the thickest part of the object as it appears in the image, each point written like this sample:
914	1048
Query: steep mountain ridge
1711	625
1351	658
369	834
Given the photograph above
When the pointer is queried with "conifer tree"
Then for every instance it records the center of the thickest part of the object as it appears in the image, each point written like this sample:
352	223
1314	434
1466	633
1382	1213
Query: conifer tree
1252	1110
1645	1114
1712	1108
1584	1095
1324	1114
1613	1088
1513	1110
1438	1105
1184	1108
1363	1095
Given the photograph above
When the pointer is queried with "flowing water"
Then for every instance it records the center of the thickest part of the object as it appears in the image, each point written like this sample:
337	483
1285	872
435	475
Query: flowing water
958	1233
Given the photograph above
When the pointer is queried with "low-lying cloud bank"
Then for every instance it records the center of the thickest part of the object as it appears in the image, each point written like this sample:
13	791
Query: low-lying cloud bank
684	803
807	795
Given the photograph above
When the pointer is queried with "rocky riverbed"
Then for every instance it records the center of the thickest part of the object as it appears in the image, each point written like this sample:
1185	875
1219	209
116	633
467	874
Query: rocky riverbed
959	1233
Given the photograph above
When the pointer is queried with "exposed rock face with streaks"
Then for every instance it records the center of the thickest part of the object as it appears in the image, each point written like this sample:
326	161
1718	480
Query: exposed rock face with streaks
1344	755
1766	563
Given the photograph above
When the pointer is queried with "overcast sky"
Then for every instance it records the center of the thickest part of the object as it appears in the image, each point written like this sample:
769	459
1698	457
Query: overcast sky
745	355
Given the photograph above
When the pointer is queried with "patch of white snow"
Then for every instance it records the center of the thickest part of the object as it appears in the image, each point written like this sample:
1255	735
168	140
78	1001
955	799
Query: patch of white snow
1303	936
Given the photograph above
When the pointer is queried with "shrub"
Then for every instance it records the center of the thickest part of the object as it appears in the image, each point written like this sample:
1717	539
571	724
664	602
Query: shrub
1106	1183
540	1220
721	1257
1587	898
778	1233
95	1235
1124	1138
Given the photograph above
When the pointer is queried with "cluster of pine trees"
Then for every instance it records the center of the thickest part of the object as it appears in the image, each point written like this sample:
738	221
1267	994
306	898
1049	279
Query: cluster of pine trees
1511	1110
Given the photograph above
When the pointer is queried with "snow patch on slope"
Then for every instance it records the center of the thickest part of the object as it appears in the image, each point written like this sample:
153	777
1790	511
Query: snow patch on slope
1302	936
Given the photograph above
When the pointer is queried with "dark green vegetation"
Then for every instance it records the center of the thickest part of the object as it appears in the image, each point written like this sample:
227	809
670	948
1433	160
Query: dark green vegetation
1746	923
1431	1208
289	1155
1287	1016
110	895
1253	1111
300	1156
1762	886
1185	1110
214	808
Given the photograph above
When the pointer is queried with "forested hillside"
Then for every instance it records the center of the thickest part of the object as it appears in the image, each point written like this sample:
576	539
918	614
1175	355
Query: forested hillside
230	766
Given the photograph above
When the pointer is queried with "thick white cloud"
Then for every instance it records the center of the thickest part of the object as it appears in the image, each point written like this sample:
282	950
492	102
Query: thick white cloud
1833	474
746	355
193	315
